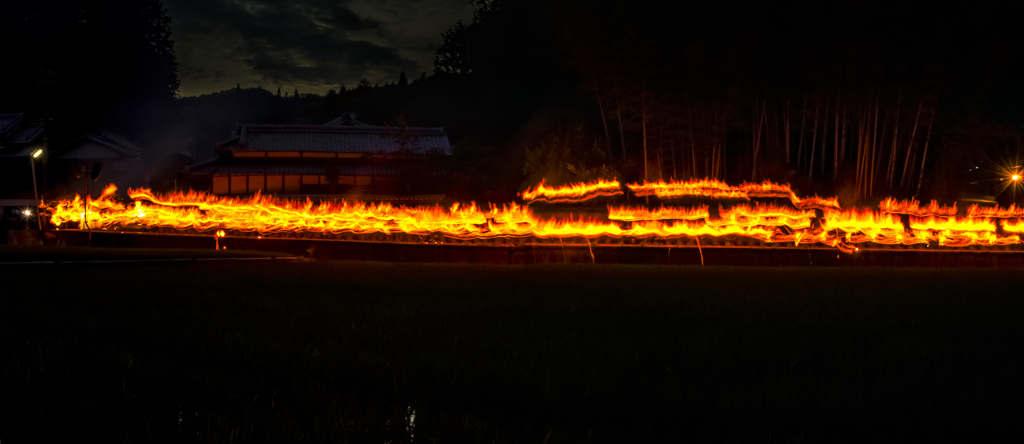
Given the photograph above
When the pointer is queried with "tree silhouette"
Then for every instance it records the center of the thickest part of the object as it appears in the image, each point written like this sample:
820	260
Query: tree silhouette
112	63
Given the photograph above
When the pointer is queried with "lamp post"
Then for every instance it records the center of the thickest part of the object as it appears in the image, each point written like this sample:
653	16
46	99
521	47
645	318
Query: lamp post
35	187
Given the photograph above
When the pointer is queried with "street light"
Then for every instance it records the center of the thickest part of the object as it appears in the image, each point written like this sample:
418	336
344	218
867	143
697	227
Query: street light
35	187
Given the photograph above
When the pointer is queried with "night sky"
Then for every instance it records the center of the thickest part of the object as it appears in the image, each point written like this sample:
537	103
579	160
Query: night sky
312	45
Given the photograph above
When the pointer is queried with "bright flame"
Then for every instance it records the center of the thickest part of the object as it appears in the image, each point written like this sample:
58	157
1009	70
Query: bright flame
663	213
712	188
841	229
974	211
914	208
573	192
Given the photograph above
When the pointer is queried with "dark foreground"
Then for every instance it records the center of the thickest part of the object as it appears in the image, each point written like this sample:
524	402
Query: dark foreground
379	352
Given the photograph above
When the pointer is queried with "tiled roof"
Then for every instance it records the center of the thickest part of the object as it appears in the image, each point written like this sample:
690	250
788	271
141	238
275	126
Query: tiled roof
17	151
310	167
349	119
27	134
19	138
9	121
336	139
80	148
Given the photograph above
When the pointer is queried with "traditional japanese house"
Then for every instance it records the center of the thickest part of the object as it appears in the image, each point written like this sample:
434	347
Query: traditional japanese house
120	161
346	156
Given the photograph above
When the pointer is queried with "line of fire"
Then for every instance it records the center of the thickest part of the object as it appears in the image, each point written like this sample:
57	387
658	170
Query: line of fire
695	213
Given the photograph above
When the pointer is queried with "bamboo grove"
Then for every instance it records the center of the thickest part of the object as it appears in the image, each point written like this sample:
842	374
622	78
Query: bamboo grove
833	101
870	142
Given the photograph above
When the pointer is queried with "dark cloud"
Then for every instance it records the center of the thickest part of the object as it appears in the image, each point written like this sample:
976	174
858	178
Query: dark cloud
315	44
192	73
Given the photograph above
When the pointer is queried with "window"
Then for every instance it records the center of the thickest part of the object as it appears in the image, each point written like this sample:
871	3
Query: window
363	180
237	184
291	183
249	154
346	180
310	180
255	183
275	184
220	184
321	155
283	154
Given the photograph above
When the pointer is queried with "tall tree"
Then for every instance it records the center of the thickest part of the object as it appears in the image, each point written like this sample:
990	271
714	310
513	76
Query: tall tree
109	64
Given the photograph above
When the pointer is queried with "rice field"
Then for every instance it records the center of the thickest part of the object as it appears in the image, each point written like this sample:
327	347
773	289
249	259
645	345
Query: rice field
386	353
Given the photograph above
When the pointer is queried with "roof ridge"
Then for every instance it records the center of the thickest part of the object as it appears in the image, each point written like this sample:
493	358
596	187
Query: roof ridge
342	129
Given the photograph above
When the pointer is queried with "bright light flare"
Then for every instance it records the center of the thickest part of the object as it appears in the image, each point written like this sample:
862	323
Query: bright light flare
844	230
37	153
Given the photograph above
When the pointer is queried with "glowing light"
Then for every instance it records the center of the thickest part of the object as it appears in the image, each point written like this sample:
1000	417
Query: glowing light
914	208
573	192
1015	177
37	153
845	230
975	211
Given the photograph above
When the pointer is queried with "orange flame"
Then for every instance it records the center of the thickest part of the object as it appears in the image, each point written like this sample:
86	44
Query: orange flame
914	208
765	215
818	203
575	192
663	213
1012	211
699	188
844	230
712	188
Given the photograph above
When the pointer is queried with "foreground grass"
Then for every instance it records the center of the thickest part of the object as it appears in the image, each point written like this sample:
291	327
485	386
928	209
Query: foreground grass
351	352
18	253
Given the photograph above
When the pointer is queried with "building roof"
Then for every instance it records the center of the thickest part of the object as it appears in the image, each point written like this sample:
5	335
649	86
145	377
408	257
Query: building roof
349	119
9	121
313	167
19	138
100	146
26	134
362	139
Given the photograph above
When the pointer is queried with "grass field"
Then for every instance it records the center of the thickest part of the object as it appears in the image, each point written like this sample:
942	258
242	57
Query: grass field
385	352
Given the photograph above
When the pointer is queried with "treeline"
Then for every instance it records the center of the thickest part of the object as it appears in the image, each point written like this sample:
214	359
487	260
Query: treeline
86	65
860	99
853	98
